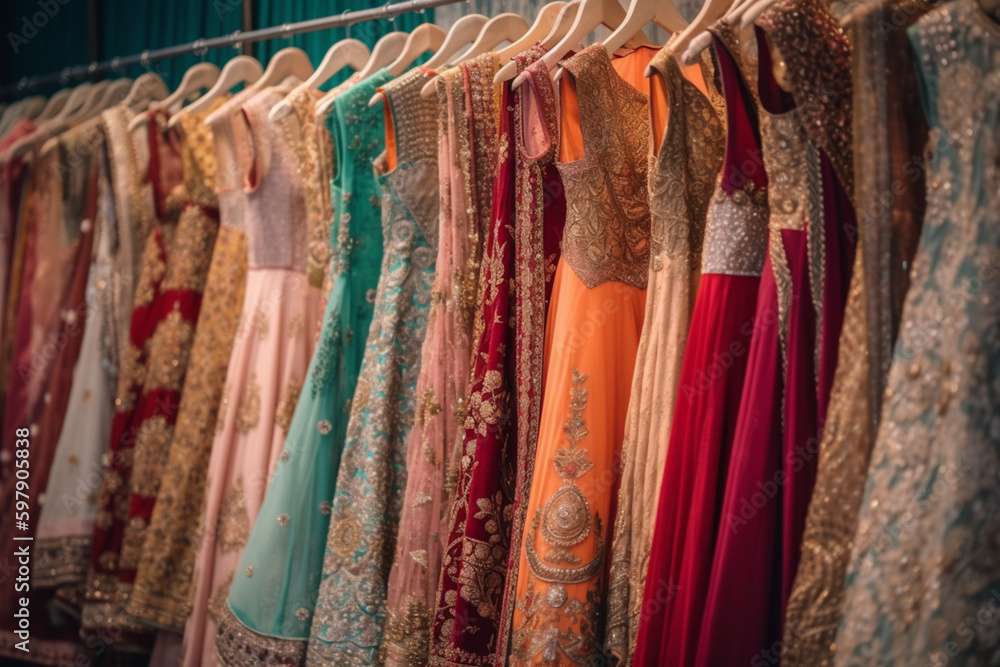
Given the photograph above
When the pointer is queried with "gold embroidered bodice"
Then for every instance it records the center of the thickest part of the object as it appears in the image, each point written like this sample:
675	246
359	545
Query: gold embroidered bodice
817	56
606	237
683	174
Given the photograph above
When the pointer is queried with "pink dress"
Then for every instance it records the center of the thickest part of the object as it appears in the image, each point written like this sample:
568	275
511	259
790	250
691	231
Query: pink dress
268	363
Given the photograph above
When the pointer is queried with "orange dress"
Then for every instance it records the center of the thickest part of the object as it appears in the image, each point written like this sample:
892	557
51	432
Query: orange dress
594	324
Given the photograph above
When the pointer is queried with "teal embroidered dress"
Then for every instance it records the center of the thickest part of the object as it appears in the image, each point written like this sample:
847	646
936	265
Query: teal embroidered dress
347	624
274	590
923	583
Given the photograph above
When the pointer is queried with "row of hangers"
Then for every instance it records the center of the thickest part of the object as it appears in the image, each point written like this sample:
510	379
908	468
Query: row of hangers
559	26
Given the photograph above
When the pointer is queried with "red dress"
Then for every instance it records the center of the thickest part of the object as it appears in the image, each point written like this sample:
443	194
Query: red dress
167	302
711	385
803	293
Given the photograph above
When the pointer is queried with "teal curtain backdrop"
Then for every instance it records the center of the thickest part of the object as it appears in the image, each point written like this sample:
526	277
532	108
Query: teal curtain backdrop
43	36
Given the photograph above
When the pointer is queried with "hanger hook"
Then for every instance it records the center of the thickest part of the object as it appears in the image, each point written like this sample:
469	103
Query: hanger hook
286	30
116	64
92	69
347	26
389	15
237	44
22	84
144	59
199	48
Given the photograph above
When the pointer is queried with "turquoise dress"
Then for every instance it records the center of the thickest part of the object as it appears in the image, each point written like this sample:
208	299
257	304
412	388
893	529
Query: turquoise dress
347	624
923	585
274	590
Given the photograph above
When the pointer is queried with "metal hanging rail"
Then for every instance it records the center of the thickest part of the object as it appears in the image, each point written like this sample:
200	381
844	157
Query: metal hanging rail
201	46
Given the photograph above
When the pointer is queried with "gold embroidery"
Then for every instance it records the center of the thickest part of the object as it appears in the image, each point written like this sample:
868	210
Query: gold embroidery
152	268
248	411
152	444
169	347
286	405
217	603
606	237
407	634
191	253
233	526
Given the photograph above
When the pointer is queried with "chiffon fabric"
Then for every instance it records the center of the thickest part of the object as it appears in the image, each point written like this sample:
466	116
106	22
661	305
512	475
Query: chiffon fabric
922	580
800	306
468	108
711	381
268	613
890	135
267	366
687	162
348	620
163	585
123	215
52	315
173	268
593	330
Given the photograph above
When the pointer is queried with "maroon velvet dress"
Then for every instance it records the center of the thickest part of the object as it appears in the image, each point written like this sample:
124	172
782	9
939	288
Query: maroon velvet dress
470	623
800	308
711	384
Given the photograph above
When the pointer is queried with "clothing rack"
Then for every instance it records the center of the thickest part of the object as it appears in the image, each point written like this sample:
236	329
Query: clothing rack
201	46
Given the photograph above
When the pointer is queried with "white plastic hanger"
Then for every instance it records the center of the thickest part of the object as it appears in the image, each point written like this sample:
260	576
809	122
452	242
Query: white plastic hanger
502	28
241	69
90	101
462	33
384	52
591	14
640	12
425	37
560	26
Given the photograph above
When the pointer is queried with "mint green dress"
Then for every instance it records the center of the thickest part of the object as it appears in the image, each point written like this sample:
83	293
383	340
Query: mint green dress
274	590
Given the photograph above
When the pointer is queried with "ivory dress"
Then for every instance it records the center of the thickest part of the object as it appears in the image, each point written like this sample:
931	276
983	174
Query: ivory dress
266	368
687	161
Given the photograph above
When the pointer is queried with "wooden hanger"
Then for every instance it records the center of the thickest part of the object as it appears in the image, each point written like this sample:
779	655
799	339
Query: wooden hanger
291	61
663	13
462	33
546	19
54	105
425	37
591	14
733	15
202	75
431	38
241	69
710	11
29	107
94	95
345	53
149	86
384	52
505	27
560	26
197	77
